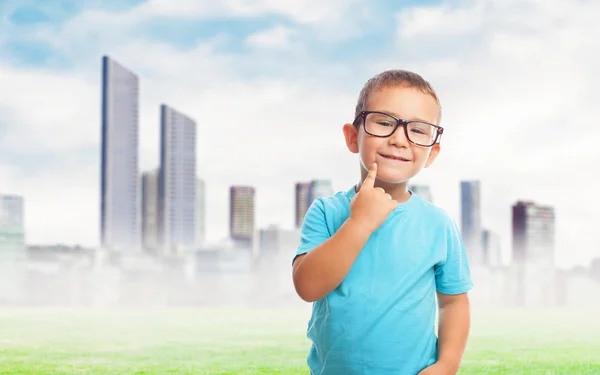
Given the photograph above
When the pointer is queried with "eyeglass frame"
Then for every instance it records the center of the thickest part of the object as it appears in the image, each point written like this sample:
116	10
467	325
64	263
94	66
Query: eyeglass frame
404	123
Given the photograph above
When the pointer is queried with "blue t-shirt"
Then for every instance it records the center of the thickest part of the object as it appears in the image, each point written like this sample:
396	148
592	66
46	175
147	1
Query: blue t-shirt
380	320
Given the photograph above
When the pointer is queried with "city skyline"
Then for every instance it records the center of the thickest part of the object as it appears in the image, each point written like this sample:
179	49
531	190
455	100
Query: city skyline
283	97
176	212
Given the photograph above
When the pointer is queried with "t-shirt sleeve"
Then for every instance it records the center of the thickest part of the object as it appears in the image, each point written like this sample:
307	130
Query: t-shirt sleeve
453	276
314	228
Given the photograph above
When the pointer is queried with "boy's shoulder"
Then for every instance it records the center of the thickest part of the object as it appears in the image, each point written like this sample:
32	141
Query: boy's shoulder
336	201
435	216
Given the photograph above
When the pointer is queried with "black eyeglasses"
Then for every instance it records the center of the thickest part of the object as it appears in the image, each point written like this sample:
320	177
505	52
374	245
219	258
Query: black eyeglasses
381	124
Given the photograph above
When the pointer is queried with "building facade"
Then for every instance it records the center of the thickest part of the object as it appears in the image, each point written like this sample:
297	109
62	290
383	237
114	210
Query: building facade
320	188
200	211
302	202
177	181
470	198
241	215
533	233
12	227
423	191
150	210
119	191
533	254
491	250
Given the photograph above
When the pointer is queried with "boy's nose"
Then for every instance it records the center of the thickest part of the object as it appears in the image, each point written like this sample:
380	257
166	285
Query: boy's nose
399	139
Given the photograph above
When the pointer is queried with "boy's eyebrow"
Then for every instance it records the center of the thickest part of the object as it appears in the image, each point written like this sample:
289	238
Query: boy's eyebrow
414	118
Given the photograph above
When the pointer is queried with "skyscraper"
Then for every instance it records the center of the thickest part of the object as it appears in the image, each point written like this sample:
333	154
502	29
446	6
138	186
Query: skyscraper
306	193
471	219
423	191
302	202
241	214
150	210
491	251
177	181
119	182
533	233
320	188
12	227
533	253
200	211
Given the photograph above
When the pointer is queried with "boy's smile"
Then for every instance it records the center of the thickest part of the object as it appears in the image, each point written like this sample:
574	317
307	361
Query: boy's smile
397	157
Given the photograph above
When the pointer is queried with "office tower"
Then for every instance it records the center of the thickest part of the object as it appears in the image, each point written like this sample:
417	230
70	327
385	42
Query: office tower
306	193
12	227
320	188
150	210
241	215
302	202
423	191
13	255
119	191
471	219
200	211
533	254
491	251
177	181
595	268
533	233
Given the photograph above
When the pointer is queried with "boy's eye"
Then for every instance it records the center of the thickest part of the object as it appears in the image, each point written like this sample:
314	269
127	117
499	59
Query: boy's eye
385	123
420	128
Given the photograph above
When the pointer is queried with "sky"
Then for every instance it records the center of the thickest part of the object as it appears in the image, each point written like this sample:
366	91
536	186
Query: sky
271	84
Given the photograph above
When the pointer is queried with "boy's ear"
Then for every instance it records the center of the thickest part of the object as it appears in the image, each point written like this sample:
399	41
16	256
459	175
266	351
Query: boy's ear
433	153
351	136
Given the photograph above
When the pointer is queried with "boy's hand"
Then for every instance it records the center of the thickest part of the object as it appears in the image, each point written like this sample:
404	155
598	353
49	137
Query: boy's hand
371	206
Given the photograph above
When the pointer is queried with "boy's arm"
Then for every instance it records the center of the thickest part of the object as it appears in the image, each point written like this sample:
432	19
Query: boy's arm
453	330
323	261
322	269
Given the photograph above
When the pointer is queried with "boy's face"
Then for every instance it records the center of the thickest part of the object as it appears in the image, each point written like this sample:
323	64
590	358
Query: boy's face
405	103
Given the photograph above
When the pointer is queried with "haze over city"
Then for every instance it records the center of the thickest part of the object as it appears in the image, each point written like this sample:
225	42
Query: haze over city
275	119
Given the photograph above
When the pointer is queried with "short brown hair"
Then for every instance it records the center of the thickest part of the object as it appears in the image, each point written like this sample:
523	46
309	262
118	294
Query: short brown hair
396	77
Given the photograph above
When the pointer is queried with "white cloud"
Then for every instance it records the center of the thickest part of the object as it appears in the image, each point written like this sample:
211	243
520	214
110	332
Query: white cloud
301	11
439	21
277	36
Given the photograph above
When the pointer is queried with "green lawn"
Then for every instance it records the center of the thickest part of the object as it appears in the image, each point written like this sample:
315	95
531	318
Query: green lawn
63	342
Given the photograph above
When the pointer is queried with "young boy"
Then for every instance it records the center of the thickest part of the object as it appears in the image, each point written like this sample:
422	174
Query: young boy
372	258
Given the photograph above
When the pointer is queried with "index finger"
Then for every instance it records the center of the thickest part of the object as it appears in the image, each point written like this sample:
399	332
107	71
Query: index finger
369	181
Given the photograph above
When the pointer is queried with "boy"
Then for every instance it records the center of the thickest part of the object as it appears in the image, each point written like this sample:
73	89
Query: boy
372	258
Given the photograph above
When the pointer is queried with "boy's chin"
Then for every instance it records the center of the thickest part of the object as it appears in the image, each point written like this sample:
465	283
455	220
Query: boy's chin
393	176
393	179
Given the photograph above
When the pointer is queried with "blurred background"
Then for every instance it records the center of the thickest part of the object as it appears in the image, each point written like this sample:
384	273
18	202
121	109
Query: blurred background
162	154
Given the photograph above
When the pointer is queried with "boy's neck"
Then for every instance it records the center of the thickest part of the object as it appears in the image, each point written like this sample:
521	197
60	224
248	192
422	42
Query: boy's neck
399	192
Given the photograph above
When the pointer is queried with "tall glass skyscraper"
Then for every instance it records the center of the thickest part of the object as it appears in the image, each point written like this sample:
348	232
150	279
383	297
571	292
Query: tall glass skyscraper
471	219
119	191
177	181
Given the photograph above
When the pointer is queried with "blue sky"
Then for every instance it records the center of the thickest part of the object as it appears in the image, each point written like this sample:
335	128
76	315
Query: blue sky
185	32
511	75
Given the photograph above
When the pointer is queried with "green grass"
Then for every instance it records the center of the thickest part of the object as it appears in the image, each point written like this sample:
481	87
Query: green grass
218	342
